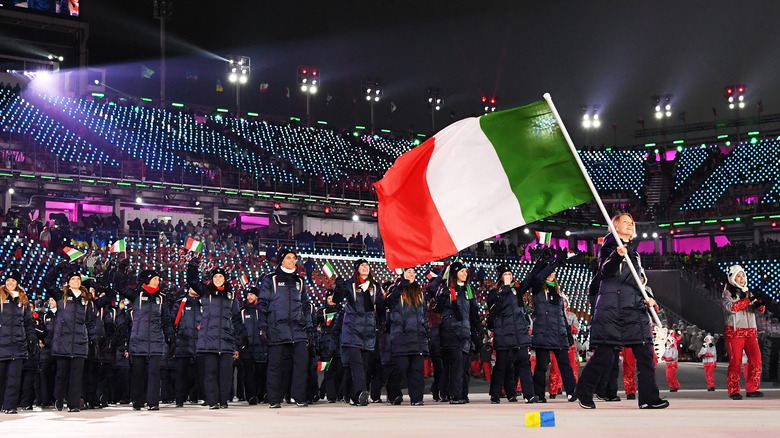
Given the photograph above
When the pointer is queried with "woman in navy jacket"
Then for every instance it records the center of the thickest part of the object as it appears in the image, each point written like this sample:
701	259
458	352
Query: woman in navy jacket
74	329
460	323
511	340
17	333
151	330
620	320
221	332
550	335
186	314
409	334
358	332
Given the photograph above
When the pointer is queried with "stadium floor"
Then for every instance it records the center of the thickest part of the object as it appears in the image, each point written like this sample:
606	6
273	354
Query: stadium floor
693	410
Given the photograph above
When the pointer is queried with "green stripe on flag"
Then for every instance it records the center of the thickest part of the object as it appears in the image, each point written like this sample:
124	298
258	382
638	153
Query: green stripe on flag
538	162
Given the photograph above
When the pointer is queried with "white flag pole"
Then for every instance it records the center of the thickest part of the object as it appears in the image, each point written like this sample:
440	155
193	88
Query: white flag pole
595	193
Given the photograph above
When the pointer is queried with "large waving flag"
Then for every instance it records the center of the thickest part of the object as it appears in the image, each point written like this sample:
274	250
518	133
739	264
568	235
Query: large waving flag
72	253
479	177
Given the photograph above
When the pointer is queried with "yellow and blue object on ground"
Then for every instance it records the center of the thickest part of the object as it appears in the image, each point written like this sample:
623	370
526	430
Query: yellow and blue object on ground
540	419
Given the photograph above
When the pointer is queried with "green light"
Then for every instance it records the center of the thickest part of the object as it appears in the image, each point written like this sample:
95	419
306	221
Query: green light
98	95
356	134
146	99
711	221
731	219
123	184
421	135
295	119
649	145
247	194
387	131
322	122
253	114
360	127
723	136
656	151
758	217
26	176
774	216
728	143
218	117
678	142
221	110
141	185
663	225
177	104
753	133
416	142
679	223
679	148
738	219
51	177
230	192
703	145
694	222
753	140
66	179
609	149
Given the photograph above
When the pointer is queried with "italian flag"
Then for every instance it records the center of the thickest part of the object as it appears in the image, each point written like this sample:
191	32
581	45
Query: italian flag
193	245
327	268
72	253
244	280
479	177
322	366
118	246
543	237
329	318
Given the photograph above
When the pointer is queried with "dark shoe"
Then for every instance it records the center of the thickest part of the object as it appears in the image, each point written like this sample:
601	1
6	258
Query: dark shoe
754	394
379	400
552	396
458	402
154	408
398	400
672	390
512	399
584	404
10	411
660	404
82	404
74	410
418	403
103	401
223	405
631	396
571	398
735	396
179	405
710	389
533	399
331	401
363	398
27	408
214	407
541	400
275	405
288	401
136	407
467	400
495	400
301	404
58	404
252	401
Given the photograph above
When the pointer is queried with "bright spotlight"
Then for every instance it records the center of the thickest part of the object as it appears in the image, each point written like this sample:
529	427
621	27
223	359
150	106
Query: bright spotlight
368	98
644	235
11	190
313	89
586	123
138	200
596	123
668	107
655	235
567	233
526	231
355	217
742	104
97	82
668	114
242	79
658	115
233	77
251	209
304	88
376	98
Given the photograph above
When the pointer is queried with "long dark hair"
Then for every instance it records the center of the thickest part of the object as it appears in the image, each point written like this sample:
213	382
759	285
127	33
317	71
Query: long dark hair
4	293
412	294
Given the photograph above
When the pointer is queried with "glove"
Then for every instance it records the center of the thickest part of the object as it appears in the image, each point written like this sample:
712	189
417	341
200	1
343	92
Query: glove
246	342
309	338
195	261
757	303
263	337
32	348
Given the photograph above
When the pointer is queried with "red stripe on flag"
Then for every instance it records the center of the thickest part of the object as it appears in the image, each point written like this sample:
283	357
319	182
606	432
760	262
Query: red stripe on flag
409	222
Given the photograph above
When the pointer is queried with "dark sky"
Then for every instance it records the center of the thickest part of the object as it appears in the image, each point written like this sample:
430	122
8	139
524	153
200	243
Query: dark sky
610	54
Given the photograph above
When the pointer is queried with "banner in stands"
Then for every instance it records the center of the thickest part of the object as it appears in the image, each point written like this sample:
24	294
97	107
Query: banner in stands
62	7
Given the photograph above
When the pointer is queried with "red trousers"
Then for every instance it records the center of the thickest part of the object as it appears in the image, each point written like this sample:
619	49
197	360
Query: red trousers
735	346
629	371
671	375
556	383
574	361
709	372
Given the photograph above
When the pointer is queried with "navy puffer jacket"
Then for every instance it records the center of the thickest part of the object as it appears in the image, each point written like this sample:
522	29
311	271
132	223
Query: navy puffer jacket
330	333
360	325
74	325
48	340
409	327
256	351
510	321
621	317
151	322
284	312
221	328
17	328
459	317
186	328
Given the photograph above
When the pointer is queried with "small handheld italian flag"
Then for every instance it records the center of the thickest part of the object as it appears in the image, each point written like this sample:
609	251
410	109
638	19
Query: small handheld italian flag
72	253
543	237
323	366
430	275
329	318
193	245
327	268
244	281
118	246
